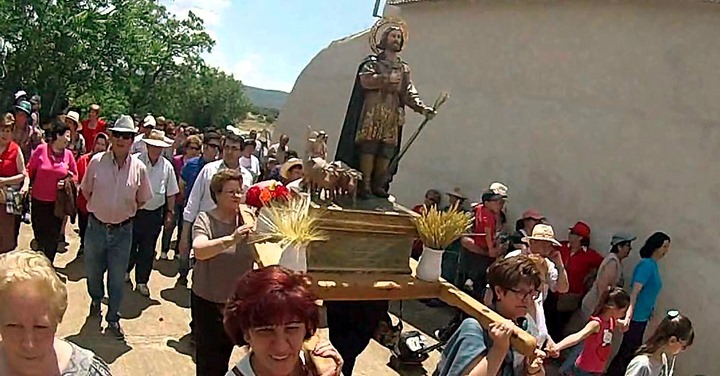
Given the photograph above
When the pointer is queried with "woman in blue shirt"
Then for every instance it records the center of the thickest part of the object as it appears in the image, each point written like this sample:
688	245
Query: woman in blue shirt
646	286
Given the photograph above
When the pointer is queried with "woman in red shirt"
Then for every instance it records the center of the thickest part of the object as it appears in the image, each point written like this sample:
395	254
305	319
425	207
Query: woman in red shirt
12	174
48	167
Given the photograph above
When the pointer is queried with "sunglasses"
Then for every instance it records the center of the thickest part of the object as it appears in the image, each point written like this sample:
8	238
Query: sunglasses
123	135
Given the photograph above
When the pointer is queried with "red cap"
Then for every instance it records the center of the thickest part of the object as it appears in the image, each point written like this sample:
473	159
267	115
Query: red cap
582	229
533	214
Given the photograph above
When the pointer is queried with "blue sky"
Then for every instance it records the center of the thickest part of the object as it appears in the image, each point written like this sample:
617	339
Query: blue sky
267	43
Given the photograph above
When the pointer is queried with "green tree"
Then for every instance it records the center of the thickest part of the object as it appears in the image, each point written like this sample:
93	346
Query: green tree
131	56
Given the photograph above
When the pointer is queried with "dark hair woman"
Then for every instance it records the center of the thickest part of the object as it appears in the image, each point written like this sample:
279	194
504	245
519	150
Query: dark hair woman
274	312
646	286
49	165
12	174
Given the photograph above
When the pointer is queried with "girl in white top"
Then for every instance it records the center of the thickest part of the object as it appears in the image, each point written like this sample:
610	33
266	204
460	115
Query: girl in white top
657	356
274	311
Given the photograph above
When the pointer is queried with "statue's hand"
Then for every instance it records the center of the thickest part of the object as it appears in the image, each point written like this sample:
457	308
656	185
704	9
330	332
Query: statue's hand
429	113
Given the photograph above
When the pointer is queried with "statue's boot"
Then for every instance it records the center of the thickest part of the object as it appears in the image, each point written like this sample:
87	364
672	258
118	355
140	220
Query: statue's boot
367	164
378	180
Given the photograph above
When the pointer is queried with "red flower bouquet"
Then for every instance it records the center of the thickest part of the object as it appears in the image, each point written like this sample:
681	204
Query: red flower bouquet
264	193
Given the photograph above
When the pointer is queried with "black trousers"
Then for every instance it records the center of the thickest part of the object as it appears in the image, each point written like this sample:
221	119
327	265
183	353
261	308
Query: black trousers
352	325
46	227
213	346
632	340
146	230
82	225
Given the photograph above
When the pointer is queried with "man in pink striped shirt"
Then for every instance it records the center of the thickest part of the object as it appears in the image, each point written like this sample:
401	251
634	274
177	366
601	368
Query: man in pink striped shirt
116	184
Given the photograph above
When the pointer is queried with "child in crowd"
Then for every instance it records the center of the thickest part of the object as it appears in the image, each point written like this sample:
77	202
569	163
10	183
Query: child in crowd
673	336
596	336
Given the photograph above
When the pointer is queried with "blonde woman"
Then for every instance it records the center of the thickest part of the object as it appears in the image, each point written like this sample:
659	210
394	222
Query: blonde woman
34	303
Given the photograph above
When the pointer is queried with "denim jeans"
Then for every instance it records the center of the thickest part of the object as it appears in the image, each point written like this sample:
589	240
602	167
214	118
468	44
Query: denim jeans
167	232
107	249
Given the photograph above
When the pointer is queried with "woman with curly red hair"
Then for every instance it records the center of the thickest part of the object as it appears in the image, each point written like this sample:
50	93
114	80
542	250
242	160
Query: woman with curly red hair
274	312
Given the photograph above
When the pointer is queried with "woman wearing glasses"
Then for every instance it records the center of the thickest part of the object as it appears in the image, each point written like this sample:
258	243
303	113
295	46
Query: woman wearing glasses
515	283
645	288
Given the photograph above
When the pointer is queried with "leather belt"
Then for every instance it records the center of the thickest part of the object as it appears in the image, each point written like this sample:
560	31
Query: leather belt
111	225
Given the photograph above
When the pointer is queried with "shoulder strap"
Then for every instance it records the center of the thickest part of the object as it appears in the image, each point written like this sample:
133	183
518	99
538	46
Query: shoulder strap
236	371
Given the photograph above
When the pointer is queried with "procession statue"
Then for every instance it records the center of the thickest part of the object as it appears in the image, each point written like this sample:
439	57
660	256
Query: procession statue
371	133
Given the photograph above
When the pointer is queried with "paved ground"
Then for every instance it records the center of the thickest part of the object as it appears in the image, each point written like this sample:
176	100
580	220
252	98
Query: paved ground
157	327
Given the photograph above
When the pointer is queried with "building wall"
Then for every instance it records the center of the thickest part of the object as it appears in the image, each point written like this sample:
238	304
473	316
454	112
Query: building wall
601	111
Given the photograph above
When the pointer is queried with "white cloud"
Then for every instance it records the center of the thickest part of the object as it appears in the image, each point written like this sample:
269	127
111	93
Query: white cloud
249	69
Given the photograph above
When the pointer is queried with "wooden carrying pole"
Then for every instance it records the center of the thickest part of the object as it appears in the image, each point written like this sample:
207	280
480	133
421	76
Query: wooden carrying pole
521	340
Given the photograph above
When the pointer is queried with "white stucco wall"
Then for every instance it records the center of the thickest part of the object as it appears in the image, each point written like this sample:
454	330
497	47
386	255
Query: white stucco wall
601	111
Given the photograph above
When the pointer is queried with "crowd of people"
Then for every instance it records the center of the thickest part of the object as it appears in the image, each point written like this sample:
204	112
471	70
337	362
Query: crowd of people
137	179
579	312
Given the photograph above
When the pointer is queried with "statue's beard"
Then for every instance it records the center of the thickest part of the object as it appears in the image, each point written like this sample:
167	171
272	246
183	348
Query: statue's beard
394	47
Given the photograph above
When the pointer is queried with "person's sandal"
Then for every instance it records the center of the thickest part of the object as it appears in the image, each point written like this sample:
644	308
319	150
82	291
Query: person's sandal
115	330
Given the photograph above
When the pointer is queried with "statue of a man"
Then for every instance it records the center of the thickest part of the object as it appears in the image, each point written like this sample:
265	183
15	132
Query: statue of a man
372	130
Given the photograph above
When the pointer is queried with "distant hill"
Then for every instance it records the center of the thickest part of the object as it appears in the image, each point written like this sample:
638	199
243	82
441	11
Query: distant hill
266	98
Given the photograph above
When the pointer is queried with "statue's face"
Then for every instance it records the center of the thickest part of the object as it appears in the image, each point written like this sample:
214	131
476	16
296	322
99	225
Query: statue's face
394	41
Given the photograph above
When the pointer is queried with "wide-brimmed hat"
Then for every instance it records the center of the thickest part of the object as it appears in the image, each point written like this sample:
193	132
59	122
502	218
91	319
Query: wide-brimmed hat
542	232
24	106
20	94
157	138
581	229
292	162
149	122
457	193
124	124
532	214
622	237
500	189
74	116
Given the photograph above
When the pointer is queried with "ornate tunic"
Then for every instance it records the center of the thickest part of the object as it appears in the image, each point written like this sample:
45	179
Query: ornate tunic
383	112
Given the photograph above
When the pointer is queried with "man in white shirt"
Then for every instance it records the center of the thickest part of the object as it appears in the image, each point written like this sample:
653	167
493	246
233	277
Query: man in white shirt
138	146
151	218
200	199
542	243
249	161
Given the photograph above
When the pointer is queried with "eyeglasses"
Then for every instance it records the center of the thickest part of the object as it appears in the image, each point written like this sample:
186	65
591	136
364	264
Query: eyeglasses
533	294
123	135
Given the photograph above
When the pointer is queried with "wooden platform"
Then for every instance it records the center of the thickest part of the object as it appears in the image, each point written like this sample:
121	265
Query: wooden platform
387	286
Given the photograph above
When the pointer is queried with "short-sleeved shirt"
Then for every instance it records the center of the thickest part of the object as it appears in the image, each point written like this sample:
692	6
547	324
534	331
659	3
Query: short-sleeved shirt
214	279
469	342
646	273
251	164
579	265
113	193
244	367
46	170
591	299
643	365
163	181
484	218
